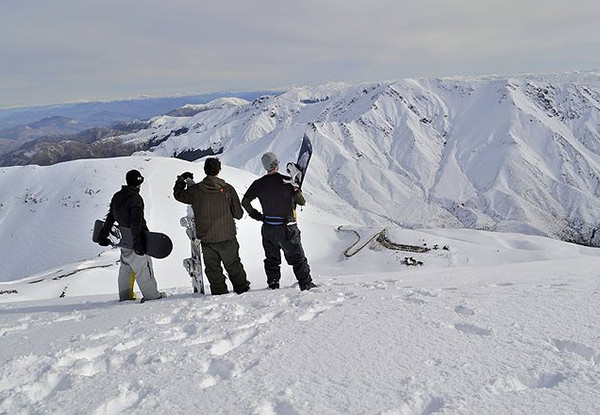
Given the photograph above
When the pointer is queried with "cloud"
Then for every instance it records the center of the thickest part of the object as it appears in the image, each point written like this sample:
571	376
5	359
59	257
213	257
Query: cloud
68	50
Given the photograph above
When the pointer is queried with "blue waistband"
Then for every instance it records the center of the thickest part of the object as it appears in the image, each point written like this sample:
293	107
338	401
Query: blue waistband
274	220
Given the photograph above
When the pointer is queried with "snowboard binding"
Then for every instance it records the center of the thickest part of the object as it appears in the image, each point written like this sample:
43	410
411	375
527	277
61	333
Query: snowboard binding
295	174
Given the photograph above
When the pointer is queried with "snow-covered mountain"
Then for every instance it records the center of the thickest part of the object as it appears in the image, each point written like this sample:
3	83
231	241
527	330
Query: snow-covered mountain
508	154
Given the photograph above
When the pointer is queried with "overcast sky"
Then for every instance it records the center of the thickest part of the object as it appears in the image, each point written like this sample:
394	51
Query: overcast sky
54	51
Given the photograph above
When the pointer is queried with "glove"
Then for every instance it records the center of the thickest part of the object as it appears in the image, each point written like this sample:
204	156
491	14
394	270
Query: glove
186	175
103	241
139	248
256	215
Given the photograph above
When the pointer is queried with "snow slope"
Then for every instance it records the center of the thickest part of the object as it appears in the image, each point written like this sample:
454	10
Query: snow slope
47	214
518	154
498	324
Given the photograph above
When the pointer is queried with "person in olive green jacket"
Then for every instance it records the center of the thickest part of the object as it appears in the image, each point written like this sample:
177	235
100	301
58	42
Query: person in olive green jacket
215	204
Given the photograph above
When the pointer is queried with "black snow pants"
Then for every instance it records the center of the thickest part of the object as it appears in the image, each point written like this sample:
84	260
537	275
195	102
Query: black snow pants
286	238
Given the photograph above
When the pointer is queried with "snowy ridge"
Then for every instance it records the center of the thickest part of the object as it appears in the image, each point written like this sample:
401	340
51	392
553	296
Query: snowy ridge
189	110
508	154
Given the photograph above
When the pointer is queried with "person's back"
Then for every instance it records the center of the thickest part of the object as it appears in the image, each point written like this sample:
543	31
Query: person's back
127	209
215	206
277	198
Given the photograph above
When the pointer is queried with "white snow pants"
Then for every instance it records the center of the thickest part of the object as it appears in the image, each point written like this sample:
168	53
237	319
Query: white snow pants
138	268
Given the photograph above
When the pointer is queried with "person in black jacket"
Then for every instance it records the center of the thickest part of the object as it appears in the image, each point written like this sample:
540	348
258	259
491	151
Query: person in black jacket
127	209
278	198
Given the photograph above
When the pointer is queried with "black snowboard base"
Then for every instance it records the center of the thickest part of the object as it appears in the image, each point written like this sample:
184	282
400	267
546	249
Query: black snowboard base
158	245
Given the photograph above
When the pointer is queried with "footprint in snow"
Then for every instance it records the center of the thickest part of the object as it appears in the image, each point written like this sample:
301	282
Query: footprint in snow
218	369
568	346
515	383
420	405
413	296
222	369
472	329
425	293
278	408
127	397
268	317
224	346
319	309
378	285
164	320
464	310
413	300
84	362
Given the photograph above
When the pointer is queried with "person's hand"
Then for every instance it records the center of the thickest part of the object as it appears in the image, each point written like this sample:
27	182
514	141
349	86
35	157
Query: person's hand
103	242
139	248
256	215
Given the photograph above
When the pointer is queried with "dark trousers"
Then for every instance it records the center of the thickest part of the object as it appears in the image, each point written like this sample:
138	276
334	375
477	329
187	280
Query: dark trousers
284	238
227	252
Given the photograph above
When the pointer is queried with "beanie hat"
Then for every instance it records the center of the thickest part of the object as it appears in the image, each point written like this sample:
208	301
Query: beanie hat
134	178
269	161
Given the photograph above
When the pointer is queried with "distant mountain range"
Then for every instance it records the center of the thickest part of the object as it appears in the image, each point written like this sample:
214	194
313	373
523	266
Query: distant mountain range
64	132
515	154
511	154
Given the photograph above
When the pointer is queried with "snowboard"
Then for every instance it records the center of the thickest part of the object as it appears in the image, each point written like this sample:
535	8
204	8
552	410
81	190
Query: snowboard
158	245
193	265
297	171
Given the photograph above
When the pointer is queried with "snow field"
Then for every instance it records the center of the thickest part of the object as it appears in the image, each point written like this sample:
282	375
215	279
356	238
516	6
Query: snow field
517	338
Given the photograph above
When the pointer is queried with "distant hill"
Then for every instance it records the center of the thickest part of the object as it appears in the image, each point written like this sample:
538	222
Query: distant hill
51	134
95	114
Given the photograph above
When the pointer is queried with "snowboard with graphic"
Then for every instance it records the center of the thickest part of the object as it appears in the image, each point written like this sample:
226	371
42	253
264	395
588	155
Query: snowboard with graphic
297	171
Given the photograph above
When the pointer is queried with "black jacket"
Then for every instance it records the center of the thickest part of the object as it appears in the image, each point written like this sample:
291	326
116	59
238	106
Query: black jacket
127	209
277	198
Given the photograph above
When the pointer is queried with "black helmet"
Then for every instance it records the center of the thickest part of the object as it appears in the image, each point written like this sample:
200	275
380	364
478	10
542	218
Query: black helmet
134	178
